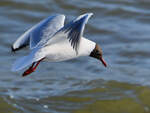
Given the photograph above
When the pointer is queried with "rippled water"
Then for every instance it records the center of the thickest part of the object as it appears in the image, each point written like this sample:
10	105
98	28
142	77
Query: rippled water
81	85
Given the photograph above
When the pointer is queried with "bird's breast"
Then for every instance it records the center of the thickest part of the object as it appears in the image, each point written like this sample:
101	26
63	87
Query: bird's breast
59	52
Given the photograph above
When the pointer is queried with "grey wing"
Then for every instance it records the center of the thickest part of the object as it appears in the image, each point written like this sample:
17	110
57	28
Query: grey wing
39	33
73	31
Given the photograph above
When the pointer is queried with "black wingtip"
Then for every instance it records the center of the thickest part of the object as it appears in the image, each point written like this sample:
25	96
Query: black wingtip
16	49
12	49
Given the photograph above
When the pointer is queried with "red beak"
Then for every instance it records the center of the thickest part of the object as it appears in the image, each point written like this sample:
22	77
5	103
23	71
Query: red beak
103	62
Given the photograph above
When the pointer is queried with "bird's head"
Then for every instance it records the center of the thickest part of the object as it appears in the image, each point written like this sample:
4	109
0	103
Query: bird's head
98	54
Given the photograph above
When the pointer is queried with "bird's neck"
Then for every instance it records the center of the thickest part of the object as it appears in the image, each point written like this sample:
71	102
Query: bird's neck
86	46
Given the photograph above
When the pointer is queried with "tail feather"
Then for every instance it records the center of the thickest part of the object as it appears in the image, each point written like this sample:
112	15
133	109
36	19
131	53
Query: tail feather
23	62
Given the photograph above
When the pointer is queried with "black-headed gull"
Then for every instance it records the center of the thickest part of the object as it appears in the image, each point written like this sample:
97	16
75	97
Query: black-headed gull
51	40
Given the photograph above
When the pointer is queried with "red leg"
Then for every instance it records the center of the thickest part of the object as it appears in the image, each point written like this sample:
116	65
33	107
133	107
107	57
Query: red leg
32	68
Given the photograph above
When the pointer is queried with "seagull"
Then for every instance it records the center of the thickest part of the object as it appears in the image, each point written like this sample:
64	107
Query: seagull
51	40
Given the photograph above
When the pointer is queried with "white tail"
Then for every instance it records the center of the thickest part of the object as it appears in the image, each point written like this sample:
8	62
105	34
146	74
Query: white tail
22	63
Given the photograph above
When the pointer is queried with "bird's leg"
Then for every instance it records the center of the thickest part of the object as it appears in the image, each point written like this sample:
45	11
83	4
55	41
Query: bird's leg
29	70
32	68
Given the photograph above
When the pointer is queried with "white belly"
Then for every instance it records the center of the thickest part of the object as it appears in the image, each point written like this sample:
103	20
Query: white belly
64	51
59	52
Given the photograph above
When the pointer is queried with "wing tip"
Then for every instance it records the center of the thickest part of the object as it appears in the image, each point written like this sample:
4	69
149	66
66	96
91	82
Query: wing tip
87	15
62	15
13	49
90	14
58	15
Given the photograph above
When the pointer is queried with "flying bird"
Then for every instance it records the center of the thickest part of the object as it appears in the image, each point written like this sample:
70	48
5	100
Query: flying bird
51	40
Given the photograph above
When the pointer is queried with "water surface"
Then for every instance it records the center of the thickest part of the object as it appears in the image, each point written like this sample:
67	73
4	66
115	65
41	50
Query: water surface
81	85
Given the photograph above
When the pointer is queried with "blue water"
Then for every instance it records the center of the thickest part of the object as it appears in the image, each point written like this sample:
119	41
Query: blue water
120	27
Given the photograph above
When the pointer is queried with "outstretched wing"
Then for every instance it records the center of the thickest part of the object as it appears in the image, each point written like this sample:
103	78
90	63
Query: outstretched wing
73	31
40	32
46	30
